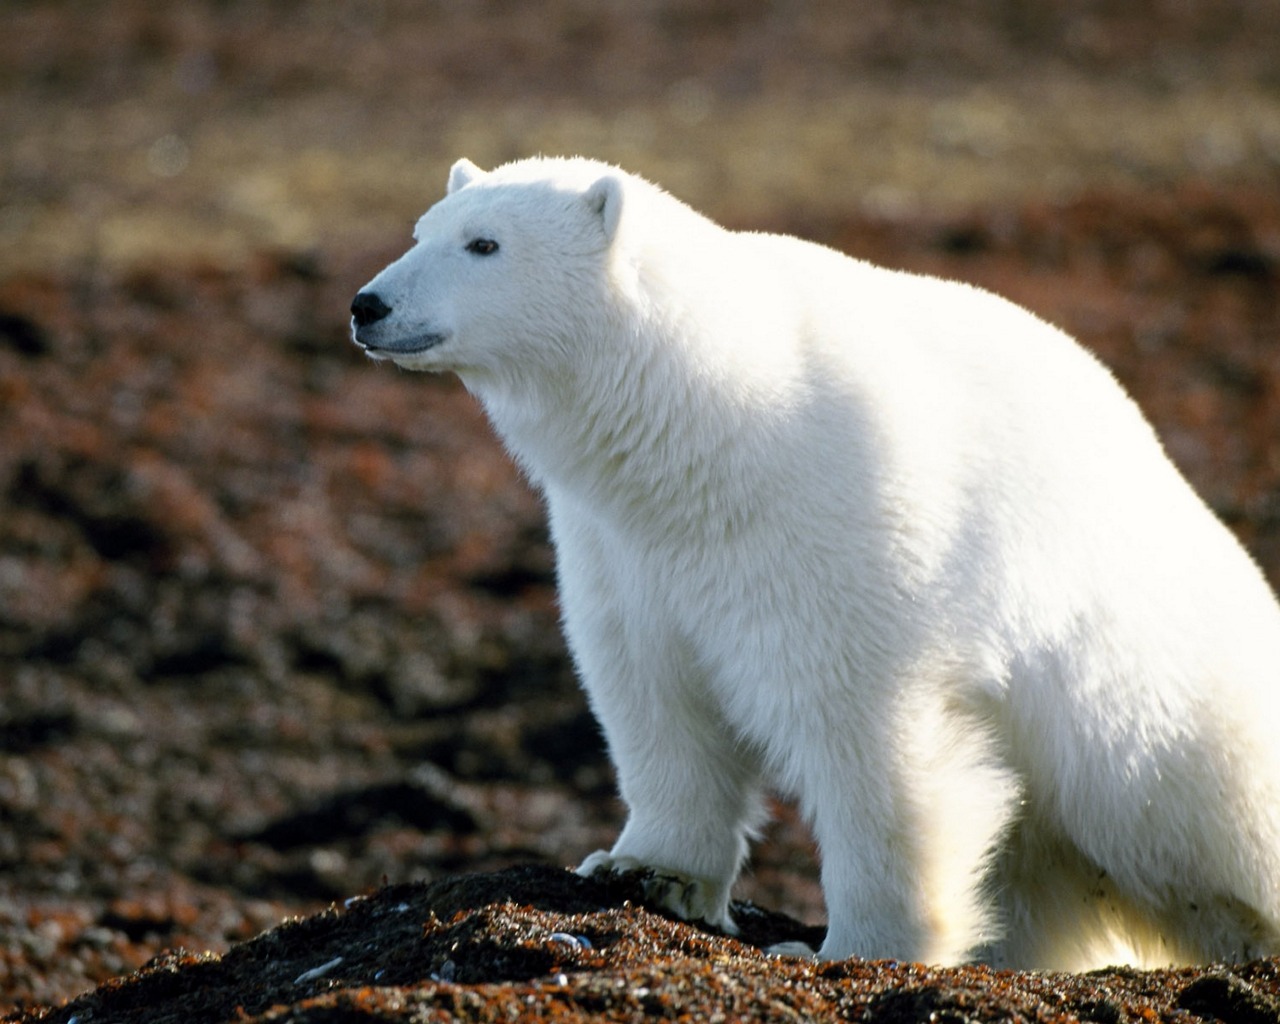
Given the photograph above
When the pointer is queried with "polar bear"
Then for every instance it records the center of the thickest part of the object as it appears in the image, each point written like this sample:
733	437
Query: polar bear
888	544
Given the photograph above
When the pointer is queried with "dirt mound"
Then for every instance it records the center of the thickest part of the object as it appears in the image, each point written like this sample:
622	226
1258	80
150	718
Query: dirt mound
535	943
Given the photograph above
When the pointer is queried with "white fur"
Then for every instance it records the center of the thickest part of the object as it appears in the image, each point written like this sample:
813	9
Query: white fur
887	543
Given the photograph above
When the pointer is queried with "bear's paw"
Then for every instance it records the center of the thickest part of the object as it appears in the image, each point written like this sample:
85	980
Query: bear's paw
687	896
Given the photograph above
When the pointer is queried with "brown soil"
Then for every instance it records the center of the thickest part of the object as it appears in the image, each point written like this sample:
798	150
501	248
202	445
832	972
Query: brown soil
538	943
277	625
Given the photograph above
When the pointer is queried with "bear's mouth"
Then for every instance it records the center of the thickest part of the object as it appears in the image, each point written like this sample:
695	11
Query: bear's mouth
409	345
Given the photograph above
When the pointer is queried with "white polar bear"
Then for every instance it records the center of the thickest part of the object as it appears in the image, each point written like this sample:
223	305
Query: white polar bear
887	543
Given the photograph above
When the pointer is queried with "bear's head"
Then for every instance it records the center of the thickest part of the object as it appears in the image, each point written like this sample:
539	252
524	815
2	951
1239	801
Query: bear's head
508	270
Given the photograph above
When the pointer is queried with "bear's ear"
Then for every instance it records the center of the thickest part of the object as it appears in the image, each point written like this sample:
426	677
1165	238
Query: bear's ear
604	199
463	173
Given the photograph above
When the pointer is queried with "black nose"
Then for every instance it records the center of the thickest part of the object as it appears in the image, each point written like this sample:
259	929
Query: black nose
367	308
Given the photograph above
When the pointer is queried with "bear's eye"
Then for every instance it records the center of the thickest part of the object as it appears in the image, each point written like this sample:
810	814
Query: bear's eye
482	246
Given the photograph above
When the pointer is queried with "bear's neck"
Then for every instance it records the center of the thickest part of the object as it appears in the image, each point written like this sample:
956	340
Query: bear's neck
660	439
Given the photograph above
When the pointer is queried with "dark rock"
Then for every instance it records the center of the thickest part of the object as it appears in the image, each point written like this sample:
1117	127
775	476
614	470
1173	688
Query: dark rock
23	335
1225	997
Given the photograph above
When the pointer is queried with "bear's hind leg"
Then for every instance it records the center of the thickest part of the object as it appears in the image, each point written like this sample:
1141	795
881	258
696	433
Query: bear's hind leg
1214	889
1183	840
1063	912
1059	910
1215	929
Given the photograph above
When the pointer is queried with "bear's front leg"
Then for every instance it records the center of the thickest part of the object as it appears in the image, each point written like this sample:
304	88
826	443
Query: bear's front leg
908	823
691	787
874	906
693	799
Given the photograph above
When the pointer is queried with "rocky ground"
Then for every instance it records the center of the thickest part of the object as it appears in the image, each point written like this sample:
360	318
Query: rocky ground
277	626
538	943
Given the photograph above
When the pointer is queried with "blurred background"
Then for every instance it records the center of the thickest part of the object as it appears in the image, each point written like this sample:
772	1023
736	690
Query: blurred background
214	128
277	624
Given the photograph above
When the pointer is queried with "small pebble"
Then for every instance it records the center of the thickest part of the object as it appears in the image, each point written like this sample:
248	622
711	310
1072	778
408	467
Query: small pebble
572	941
317	972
